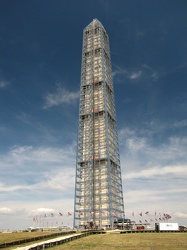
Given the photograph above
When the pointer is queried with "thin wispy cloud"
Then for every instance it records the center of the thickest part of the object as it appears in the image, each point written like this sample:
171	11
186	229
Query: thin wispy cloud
3	84
61	180
59	97
154	172
12	188
150	72
135	75
131	74
141	72
128	100
43	178
43	132
180	124
139	145
118	71
155	201
43	164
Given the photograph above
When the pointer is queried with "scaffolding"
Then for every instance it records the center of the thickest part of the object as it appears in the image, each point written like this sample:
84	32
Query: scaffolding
98	184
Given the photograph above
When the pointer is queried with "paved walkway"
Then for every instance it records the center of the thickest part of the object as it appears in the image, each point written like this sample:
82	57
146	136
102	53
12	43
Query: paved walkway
51	242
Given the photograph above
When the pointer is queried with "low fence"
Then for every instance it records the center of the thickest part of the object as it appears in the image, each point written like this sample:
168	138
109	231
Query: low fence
151	231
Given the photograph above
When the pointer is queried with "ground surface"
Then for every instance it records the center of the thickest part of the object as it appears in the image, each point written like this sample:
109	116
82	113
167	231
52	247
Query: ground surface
111	241
11	237
138	241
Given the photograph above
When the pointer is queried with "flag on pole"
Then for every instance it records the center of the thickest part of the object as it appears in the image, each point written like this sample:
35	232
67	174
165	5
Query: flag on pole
167	216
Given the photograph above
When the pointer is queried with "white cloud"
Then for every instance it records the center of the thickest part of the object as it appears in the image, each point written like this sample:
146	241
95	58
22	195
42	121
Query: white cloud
135	75
19	214
136	143
139	145
12	188
34	169
42	179
145	72
181	215
158	171
5	210
63	180
155	75
42	210
130	74
152	73
154	174
19	150
28	155
180	124
36	181
61	96
3	84
119	71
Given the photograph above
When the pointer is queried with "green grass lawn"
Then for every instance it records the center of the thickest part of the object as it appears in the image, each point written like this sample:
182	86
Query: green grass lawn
111	241
10	237
138	241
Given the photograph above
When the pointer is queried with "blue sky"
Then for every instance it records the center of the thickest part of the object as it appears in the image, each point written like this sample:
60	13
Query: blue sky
40	62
